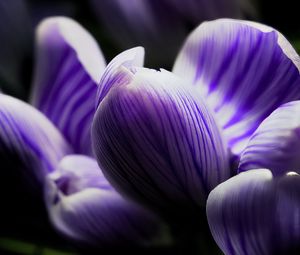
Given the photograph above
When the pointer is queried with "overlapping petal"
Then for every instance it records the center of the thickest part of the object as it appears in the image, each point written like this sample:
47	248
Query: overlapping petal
245	70
69	65
28	140
130	58
255	213
83	206
276	143
156	141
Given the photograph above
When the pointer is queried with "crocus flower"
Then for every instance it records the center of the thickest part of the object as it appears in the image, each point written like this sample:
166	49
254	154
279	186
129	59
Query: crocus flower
167	139
161	24
81	203
257	211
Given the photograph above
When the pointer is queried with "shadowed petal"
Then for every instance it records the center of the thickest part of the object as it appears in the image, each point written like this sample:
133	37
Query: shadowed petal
276	143
245	70
255	213
83	206
157	142
28	140
69	65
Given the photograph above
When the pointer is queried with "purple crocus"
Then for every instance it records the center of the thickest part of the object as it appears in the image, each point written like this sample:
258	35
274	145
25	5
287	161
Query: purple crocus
258	211
167	139
42	142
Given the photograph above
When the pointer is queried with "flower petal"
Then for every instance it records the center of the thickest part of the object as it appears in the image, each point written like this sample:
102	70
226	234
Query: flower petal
28	140
276	143
245	70
68	67
129	58
255	213
83	206
157	142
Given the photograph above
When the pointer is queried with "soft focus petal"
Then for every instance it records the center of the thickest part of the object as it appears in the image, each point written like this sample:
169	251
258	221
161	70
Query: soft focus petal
255	213
245	70
83	206
157	142
16	37
161	25
28	140
149	23
110	77
69	65
276	143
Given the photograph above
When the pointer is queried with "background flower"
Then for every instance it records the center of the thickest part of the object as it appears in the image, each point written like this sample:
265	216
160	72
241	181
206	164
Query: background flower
161	24
85	207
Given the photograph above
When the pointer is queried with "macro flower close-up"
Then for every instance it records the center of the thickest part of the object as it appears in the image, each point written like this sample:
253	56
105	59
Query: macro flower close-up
111	142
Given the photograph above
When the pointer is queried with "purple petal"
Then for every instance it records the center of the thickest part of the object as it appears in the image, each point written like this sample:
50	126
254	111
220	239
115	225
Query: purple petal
28	139
245	70
130	58
157	142
255	213
69	65
83	206
276	143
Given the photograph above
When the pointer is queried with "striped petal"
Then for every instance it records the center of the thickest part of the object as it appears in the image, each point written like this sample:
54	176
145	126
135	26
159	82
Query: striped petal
245	70
157	142
83	206
110	77
255	213
276	143
69	65
28	140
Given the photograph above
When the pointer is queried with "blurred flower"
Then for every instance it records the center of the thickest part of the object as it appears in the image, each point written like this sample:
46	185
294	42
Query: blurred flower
161	24
257	211
68	66
168	144
18	19
85	207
